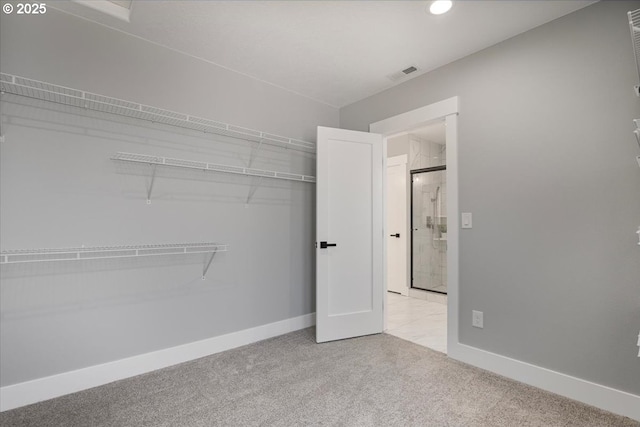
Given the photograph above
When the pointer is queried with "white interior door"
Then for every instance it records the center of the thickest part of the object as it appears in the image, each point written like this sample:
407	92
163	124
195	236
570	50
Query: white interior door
349	233
397	237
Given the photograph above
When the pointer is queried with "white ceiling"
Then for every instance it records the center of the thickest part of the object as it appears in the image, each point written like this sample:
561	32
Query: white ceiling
336	52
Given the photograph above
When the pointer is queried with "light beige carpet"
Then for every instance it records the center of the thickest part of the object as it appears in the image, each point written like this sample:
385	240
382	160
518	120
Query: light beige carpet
290	380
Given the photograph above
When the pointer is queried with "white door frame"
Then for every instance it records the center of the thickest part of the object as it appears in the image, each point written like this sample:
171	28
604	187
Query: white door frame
446	110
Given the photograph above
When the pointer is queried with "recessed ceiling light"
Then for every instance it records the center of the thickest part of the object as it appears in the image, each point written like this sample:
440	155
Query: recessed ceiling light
438	7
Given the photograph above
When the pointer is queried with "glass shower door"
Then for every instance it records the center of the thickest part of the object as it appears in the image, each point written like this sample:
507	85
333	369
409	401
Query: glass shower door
429	229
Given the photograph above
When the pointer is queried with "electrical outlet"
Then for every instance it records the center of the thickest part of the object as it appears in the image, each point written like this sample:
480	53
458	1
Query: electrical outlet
477	319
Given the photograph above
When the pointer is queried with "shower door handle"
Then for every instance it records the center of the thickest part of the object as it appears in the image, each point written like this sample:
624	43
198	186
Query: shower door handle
325	245
395	235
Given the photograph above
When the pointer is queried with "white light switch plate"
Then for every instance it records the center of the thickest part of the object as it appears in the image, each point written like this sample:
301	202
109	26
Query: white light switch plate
467	220
477	319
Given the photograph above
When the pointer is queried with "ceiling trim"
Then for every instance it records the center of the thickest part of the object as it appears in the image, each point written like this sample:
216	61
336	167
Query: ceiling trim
414	119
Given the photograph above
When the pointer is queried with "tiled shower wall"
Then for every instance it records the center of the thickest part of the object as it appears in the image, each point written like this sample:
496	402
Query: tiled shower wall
425	154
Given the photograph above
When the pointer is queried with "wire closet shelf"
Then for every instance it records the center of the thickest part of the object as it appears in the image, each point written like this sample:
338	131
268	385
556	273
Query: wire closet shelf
107	252
68	96
634	27
214	167
110	252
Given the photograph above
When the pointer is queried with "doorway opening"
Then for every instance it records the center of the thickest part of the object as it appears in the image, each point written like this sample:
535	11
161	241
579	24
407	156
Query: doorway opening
404	123
417	239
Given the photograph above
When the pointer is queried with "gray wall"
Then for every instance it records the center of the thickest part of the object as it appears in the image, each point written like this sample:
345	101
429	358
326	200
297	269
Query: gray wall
547	167
60	189
398	146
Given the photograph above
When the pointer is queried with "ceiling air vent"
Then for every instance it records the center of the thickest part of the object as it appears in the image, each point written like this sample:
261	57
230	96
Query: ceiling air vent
401	74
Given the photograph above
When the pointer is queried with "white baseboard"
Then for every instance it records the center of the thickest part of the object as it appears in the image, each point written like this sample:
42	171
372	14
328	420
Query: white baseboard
14	396
607	398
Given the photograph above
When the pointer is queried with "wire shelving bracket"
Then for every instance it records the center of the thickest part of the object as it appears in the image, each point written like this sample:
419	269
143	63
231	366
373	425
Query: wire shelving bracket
150	187
252	190
109	252
253	154
68	96
154	161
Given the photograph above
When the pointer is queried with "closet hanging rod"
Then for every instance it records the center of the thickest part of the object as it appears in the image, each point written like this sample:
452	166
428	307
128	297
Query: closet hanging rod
68	96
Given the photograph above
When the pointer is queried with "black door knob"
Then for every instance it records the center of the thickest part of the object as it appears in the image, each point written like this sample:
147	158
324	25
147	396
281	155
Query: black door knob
325	245
395	235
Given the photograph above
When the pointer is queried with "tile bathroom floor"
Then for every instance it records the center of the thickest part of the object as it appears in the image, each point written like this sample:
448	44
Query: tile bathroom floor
416	320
